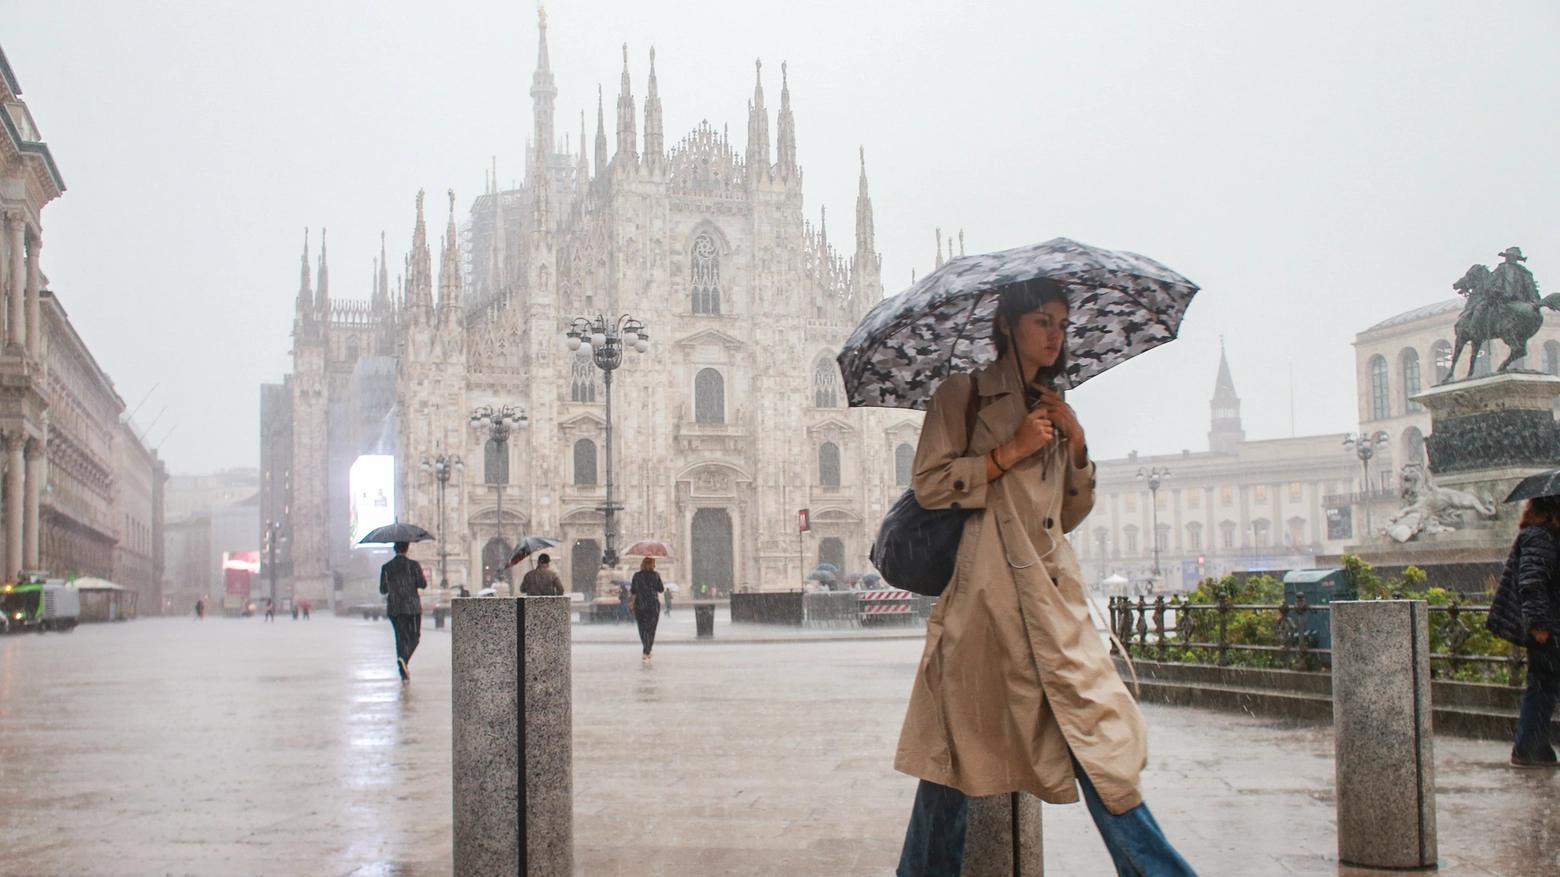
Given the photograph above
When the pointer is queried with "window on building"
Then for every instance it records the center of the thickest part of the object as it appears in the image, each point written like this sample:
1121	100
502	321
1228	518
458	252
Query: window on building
1226	496
1552	357
1259	493
1194	536
709	397
829	464
1162	537
904	464
585	462
1296	532
1380	389
1296	491
495	462
1227	534
831	550
825	384
582	381
1413	445
1442	353
706	275
1408	361
1129	539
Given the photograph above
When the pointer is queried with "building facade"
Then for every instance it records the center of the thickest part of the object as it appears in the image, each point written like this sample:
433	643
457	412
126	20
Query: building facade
728	426
210	518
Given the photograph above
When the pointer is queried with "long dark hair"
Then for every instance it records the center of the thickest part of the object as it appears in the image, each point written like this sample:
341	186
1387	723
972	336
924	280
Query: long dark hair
1025	297
1542	511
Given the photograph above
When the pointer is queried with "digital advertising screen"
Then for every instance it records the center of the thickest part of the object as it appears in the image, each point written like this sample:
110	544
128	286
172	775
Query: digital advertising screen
371	488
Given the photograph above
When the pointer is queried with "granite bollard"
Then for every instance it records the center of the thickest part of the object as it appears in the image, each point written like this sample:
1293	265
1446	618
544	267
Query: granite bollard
1384	739
512	751
1004	837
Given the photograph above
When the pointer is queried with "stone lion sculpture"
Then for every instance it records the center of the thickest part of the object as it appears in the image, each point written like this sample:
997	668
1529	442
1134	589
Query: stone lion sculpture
1428	508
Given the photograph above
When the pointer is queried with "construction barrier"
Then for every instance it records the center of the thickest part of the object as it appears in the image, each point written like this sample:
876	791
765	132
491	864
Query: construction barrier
887	606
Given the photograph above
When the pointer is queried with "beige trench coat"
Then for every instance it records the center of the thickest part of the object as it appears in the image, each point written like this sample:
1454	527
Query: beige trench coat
1014	674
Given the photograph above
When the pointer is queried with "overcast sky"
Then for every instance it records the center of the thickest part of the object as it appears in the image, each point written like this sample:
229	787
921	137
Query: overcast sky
1316	167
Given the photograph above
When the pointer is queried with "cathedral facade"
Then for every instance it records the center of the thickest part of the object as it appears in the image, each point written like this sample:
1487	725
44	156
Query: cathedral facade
730	425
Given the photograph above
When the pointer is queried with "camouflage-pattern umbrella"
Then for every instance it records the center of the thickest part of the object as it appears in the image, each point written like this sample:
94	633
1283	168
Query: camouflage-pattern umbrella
1122	304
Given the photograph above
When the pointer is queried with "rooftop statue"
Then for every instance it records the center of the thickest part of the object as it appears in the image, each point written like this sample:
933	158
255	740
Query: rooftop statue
1503	304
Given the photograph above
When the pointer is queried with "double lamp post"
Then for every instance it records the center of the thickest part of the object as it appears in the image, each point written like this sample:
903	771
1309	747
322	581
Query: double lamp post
498	423
602	341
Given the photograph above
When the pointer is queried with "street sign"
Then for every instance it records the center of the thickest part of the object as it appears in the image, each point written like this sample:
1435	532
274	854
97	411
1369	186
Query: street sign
803	521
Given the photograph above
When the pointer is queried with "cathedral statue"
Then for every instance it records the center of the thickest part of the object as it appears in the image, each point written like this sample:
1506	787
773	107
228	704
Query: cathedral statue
1428	508
1502	304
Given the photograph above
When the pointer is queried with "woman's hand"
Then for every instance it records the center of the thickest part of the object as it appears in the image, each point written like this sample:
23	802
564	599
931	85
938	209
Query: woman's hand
1034	432
1066	421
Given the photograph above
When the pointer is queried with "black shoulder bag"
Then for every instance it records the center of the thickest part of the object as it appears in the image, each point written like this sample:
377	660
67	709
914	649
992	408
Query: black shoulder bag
916	547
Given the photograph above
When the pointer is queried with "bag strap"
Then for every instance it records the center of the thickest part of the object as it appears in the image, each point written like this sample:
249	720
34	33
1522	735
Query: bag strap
971	411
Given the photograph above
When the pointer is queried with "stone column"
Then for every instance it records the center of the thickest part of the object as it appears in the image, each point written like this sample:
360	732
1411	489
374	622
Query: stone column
16	299
1002	843
512	728
15	480
34	280
36	460
1384	739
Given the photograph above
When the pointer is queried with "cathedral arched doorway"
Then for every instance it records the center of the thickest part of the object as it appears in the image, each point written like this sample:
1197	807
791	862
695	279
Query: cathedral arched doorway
832	550
713	571
584	563
494	555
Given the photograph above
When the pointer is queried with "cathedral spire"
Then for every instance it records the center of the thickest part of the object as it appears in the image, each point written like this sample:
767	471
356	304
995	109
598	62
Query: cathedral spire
758	128
382	290
601	134
1226	433
305	308
449	265
866	237
322	287
654	140
785	148
543	91
939	248
628	138
419	265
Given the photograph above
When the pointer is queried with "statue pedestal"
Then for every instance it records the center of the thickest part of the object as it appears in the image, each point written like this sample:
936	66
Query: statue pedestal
1484	425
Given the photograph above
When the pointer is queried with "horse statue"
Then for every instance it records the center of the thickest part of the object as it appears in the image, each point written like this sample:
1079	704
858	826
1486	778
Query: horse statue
1428	508
1503	304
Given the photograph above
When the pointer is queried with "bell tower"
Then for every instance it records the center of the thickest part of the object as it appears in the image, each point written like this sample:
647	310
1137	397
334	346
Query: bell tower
1226	434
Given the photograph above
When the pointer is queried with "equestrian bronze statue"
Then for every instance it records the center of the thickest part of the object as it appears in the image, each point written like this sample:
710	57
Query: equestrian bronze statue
1503	304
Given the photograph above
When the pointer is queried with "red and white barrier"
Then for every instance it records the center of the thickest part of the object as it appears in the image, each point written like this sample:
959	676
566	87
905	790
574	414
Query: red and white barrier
886	602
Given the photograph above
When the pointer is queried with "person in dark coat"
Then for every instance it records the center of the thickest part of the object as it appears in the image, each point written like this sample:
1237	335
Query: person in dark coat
1526	612
542	581
645	600
400	579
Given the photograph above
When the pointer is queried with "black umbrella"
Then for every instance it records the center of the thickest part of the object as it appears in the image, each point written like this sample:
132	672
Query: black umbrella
397	532
1121	304
1533	486
530	545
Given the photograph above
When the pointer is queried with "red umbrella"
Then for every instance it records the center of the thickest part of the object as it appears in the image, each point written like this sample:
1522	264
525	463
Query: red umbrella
649	548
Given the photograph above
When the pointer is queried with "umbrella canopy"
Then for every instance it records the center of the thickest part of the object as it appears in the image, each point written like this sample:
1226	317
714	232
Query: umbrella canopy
822	575
1121	304
826	567
649	548
529	546
1533	486
397	532
672	587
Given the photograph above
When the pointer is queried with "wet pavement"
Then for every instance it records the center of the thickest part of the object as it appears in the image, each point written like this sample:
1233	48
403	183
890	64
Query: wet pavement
232	747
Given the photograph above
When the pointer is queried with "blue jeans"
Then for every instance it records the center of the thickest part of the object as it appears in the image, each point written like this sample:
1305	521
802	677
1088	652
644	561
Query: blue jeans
934	842
1538	705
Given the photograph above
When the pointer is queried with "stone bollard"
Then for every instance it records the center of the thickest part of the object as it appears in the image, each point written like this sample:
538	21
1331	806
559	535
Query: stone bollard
704	621
512	724
1384	738
990	849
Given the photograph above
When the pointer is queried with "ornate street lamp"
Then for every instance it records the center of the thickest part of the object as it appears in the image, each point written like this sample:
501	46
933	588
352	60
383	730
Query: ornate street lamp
440	467
498	423
602	341
273	534
1366	448
1154	476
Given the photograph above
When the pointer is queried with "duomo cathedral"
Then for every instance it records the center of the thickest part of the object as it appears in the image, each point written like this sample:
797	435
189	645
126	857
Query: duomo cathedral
731	423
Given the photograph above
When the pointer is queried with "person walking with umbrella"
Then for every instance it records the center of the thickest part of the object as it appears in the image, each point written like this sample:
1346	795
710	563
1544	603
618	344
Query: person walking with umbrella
644	600
1526	612
1015	692
542	581
399	580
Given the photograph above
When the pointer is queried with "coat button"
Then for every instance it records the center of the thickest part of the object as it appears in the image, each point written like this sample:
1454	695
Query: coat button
1049	523
958	485
1072	493
954	506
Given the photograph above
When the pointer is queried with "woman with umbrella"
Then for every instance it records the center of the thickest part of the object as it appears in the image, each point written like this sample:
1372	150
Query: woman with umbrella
1015	691
1526	612
644	600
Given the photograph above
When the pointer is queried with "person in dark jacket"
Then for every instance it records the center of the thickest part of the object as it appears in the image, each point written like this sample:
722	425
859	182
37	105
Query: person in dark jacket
400	579
1526	612
542	581
645	600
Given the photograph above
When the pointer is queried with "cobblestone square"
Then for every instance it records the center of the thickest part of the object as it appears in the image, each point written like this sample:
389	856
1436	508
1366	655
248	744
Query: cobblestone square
234	747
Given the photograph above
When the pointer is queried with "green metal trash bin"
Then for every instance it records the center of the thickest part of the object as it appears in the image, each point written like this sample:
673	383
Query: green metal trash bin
1320	587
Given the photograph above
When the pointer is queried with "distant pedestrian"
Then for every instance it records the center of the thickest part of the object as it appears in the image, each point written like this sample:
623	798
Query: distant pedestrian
542	581
305	605
200	610
295	611
624	612
669	592
400	579
644	600
270	610
1526	611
